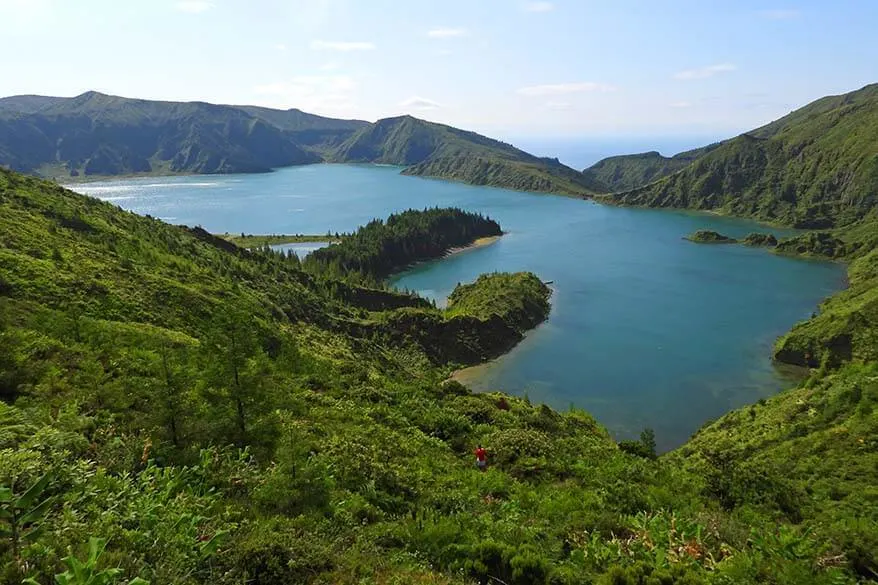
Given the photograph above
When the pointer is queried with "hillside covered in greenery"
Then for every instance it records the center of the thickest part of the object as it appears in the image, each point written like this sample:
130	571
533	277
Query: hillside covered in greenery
629	171
98	134
95	134
435	150
380	248
816	168
178	410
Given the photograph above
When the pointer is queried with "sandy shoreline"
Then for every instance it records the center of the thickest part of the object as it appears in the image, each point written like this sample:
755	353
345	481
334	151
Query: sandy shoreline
479	243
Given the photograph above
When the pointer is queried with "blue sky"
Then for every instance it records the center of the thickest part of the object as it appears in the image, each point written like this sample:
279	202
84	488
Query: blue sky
568	68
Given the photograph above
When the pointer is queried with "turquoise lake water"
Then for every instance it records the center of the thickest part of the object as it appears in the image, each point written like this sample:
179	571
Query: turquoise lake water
300	249
646	329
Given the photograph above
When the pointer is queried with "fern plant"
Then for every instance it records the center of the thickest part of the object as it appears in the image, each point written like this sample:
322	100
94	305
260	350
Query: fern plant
86	572
21	517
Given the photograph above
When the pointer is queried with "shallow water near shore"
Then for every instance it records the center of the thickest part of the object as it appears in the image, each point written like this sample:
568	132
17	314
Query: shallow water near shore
646	329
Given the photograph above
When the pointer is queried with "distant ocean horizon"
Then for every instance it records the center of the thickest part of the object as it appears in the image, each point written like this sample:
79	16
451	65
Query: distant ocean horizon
581	153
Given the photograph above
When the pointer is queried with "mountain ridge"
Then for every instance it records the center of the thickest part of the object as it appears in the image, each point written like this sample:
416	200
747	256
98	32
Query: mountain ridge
815	168
96	134
628	171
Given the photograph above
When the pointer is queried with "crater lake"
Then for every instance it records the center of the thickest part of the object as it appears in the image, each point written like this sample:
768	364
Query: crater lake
646	329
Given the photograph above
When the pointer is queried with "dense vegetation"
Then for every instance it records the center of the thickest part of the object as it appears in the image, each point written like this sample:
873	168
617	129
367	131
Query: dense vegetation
629	171
521	300
97	134
436	150
380	248
179	410
485	319
846	326
811	454
710	237
815	168
760	239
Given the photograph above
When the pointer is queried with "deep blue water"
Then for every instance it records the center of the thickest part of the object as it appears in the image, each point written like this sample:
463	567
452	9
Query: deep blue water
646	328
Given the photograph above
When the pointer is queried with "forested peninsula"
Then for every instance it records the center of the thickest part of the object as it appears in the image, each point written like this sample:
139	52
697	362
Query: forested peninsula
380	248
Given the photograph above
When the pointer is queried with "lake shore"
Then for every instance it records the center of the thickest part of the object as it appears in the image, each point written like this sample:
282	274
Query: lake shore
478	243
258	241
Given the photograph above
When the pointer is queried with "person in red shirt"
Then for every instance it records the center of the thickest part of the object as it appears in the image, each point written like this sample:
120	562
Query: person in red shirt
481	458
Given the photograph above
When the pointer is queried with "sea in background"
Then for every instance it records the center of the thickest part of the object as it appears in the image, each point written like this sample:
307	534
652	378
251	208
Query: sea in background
646	329
581	153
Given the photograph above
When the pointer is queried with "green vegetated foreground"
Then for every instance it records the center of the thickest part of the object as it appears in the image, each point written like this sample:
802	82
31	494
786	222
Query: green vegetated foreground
180	410
204	414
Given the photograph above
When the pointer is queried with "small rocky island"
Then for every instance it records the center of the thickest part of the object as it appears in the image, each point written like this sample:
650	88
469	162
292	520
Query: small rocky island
710	237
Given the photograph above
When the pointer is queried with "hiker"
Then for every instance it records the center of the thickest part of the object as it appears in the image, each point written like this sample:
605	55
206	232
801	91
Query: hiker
481	458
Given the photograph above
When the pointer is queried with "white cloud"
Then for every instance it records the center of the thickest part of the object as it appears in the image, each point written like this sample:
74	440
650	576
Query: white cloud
194	6
539	7
419	103
446	33
704	72
682	104
342	46
780	14
564	88
444	52
280	47
331	94
330	66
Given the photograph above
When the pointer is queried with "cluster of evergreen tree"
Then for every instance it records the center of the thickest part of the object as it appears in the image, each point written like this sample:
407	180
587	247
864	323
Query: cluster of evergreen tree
381	248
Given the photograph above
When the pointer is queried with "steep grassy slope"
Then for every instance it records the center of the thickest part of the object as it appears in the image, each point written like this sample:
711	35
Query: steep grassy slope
436	150
621	173
815	168
97	134
846	326
219	416
810	453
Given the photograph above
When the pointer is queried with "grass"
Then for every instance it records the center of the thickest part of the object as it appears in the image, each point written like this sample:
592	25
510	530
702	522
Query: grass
221	416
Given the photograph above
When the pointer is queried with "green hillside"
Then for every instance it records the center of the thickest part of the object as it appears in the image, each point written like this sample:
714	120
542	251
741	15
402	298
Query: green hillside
811	454
205	414
815	168
621	173
316	133
95	134
436	150
846	326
